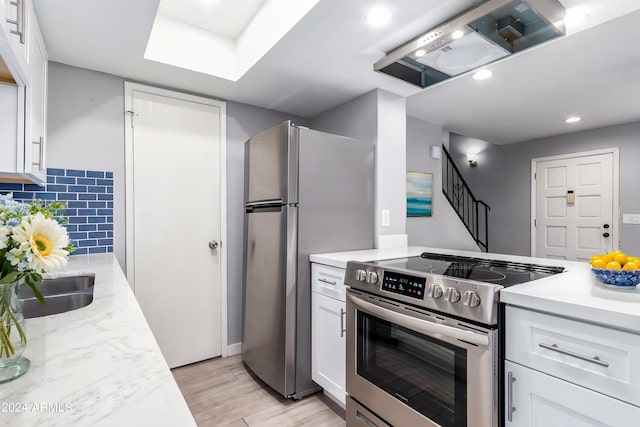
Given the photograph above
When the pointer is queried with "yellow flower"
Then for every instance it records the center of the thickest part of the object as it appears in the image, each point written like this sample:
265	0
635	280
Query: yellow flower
45	239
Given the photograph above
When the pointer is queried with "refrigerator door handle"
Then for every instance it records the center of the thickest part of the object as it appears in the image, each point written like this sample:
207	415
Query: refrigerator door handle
264	204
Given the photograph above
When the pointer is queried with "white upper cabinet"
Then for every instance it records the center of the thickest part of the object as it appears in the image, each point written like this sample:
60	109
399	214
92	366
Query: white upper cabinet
35	134
15	16
23	94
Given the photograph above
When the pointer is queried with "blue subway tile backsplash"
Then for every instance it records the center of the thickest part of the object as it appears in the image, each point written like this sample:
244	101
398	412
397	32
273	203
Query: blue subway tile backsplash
89	199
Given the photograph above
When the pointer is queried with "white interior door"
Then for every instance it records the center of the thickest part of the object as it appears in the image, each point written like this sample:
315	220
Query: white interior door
175	210
575	206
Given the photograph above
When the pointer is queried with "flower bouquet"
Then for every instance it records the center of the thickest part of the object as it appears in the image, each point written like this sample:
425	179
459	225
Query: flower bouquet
32	242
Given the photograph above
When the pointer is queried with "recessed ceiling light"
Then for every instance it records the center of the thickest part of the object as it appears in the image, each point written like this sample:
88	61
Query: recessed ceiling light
378	17
572	119
420	52
482	74
457	34
575	15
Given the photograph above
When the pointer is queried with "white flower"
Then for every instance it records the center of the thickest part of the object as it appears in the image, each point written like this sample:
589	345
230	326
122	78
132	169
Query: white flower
19	259
4	236
42	240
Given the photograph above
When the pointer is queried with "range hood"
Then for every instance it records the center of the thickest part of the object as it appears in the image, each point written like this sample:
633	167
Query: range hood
489	31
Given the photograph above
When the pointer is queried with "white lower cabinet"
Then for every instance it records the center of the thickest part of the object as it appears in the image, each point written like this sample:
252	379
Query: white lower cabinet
563	372
328	342
540	400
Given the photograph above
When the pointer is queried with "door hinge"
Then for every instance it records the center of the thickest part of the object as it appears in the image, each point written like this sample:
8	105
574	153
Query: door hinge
535	176
535	222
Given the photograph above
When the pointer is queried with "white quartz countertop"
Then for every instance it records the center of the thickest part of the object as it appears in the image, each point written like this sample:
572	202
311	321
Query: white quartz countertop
574	293
577	294
96	366
339	259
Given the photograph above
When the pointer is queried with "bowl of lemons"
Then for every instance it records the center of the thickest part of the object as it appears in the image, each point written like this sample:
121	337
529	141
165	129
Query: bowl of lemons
616	270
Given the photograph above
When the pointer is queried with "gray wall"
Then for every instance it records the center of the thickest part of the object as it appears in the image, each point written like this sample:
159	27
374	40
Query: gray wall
444	229
86	131
380	117
503	179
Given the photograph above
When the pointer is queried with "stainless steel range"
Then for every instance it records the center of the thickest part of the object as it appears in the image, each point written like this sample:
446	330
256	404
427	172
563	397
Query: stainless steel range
422	339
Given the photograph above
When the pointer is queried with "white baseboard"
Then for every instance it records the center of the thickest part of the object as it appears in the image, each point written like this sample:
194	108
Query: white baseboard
234	349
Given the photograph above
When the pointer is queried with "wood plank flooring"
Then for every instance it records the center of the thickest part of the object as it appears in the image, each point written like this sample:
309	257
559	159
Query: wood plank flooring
221	392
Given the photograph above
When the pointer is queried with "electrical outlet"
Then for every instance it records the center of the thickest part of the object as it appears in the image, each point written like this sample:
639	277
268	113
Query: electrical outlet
631	219
385	217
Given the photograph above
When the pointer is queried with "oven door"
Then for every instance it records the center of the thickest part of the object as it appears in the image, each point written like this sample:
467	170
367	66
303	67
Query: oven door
412	367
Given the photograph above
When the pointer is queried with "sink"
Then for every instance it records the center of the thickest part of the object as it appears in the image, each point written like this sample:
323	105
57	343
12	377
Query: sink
61	295
55	304
61	285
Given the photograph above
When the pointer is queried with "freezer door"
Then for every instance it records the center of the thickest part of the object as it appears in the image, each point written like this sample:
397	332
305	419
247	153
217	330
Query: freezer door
270	165
268	342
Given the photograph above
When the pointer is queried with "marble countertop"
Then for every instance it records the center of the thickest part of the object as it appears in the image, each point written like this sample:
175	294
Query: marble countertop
574	293
96	366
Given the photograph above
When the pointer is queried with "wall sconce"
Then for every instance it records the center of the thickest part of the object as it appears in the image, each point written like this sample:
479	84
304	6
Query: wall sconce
472	158
436	152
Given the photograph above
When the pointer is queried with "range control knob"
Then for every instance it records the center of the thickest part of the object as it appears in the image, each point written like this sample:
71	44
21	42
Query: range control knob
471	299
452	295
361	275
372	277
434	291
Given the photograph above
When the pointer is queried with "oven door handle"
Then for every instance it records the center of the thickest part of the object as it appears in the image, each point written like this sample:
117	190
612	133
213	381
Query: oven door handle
424	326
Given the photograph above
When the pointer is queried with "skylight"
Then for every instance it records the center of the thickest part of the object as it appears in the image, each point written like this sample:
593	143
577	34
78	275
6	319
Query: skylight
222	39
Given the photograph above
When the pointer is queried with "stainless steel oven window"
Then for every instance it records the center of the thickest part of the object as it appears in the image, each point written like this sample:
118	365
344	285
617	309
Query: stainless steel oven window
422	372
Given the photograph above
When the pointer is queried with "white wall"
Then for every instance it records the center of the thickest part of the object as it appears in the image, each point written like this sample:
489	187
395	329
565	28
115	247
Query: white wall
443	229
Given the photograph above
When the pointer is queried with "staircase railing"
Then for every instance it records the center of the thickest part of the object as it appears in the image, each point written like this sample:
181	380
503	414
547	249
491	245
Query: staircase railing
474	213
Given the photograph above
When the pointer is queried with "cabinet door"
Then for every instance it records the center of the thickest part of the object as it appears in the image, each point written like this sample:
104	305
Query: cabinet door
540	400
19	16
328	330
35	141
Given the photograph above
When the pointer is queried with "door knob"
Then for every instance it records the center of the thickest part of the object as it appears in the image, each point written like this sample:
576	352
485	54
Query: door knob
605	234
606	226
213	244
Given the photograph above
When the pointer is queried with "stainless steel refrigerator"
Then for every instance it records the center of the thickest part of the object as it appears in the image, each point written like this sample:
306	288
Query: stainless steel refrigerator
305	192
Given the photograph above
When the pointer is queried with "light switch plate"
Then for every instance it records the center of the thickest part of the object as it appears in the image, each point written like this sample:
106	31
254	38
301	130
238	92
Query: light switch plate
631	219
385	217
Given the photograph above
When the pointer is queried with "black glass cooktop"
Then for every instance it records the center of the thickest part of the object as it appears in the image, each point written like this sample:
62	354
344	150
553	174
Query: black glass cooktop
503	273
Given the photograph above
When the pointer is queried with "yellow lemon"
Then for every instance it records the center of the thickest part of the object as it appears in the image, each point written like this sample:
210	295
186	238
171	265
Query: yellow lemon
620	258
595	257
630	266
614	265
598	263
607	258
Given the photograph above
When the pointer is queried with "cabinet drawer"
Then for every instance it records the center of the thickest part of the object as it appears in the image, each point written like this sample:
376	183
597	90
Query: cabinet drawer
540	400
328	281
599	358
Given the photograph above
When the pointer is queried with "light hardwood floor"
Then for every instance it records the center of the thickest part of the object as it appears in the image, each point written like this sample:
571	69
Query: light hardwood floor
221	392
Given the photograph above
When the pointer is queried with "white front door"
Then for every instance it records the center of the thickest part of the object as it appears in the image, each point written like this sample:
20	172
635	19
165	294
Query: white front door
575	205
174	211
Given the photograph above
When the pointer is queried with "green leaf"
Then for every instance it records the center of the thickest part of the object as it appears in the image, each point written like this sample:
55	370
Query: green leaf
31	280
9	278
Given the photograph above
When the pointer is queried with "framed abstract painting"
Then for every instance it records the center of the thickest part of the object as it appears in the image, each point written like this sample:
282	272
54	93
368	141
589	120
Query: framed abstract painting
419	194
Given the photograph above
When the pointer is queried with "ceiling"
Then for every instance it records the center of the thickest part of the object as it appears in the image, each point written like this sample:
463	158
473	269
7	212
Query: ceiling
327	59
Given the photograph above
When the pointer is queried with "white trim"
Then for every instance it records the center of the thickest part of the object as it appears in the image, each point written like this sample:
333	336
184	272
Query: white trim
233	349
129	88
615	234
